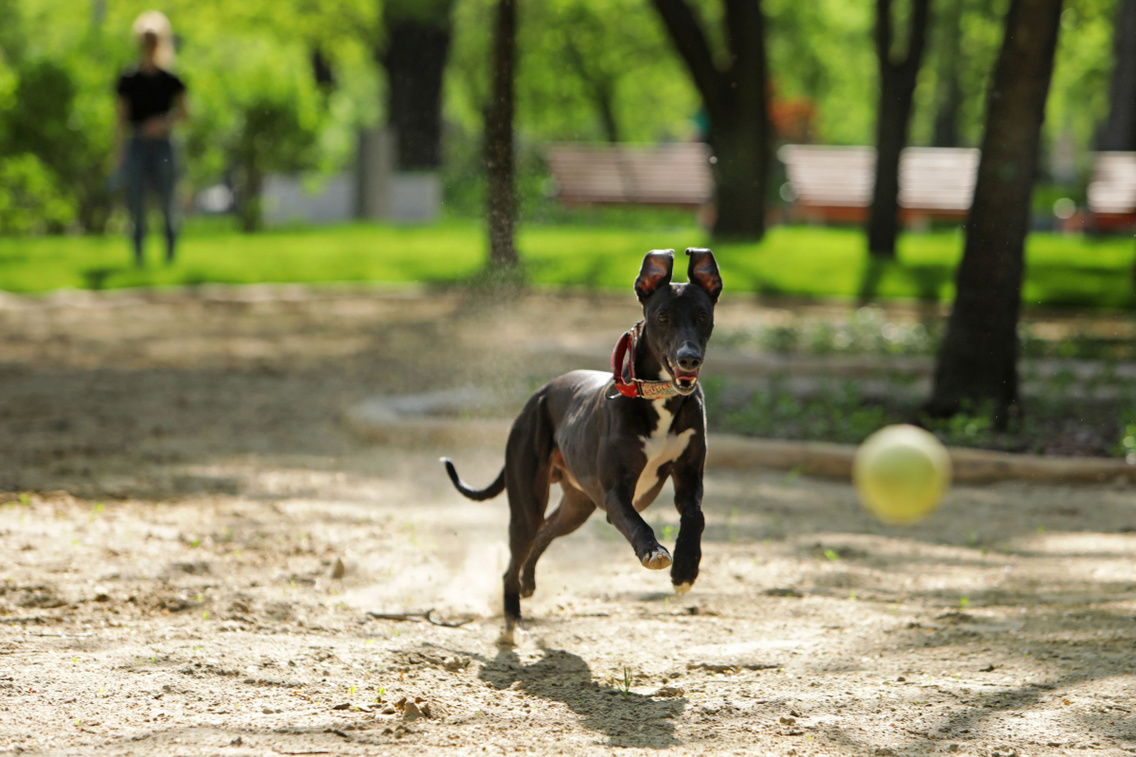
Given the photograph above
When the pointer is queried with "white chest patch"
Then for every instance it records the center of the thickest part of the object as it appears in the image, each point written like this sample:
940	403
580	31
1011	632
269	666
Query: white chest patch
660	447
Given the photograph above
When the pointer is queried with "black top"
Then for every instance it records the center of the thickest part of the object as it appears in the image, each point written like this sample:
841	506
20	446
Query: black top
149	94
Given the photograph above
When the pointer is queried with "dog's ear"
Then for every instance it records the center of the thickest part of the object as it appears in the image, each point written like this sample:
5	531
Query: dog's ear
703	272
655	273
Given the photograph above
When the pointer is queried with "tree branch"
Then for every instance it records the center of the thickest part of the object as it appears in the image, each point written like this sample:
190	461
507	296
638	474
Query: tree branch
598	86
917	35
690	42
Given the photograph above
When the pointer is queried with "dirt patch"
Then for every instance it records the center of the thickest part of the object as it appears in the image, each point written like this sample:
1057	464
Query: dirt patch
182	494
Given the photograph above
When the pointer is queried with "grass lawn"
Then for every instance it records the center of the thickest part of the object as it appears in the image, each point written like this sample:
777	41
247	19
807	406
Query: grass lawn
800	261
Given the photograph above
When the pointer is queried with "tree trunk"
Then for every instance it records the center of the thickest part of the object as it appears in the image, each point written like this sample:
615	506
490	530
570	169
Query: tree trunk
248	180
736	101
248	195
605	103
740	178
948	91
891	135
417	45
1119	131
94	211
977	362
321	71
897	92
739	126
499	162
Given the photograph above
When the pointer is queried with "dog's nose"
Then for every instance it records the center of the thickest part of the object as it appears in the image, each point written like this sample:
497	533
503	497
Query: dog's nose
689	361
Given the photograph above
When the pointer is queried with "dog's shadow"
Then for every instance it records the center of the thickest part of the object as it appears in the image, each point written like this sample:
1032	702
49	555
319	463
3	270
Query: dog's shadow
626	718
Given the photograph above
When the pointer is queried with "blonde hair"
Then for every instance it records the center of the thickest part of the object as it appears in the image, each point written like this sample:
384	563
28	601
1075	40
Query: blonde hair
156	23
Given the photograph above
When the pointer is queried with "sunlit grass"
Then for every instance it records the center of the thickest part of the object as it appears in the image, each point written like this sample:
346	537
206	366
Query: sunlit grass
798	261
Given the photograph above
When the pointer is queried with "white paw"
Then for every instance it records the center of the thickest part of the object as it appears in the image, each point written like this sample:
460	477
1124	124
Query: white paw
657	559
507	638
683	588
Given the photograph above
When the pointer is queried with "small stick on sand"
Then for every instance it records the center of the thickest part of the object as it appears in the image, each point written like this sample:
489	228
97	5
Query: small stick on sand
415	616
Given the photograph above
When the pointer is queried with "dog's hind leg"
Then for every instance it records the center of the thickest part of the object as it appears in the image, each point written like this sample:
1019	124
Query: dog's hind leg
575	508
528	469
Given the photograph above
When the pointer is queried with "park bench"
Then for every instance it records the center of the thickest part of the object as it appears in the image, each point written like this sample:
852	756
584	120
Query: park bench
1112	191
675	174
834	184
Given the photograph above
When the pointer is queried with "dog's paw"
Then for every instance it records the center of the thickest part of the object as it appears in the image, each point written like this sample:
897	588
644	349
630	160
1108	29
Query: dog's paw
683	587
508	636
657	559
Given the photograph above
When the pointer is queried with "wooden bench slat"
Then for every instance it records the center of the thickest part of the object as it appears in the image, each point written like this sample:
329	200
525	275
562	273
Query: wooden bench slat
828	181
668	174
934	182
1111	193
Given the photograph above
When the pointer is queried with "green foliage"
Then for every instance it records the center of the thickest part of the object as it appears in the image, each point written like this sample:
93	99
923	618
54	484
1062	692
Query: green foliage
570	52
9	84
971	427
1126	447
979	39
1078	100
842	411
587	69
253	101
262	114
31	200
61	108
822	52
837	413
869	331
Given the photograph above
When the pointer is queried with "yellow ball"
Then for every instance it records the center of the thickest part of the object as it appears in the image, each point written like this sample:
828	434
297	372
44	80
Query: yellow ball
901	473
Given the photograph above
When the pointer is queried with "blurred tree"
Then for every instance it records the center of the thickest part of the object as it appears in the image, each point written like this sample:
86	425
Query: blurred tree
897	75
322	70
31	199
596	52
256	110
626	78
46	97
734	97
56	115
817	56
499	158
1119	131
948	89
651	95
416	36
977	362
633	61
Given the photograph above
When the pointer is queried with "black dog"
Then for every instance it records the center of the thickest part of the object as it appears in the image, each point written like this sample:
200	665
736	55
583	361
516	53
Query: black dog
611	440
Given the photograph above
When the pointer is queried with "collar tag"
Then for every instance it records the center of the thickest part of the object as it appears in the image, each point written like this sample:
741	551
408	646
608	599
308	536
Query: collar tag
656	390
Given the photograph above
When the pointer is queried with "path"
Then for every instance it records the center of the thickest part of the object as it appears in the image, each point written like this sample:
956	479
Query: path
168	576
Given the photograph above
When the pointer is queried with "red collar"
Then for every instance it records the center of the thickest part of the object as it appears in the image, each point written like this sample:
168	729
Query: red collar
623	371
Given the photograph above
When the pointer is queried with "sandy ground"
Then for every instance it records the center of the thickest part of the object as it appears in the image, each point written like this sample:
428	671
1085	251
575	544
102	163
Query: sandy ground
181	489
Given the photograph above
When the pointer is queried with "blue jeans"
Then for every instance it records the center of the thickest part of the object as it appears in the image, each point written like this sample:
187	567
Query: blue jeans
150	164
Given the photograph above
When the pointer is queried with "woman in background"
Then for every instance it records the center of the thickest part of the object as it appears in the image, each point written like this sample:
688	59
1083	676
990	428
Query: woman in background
151	100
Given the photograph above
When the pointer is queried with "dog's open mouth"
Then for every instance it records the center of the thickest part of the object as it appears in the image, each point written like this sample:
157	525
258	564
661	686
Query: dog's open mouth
684	381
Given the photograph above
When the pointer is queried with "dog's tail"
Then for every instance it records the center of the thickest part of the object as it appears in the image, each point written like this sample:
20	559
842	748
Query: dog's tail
480	495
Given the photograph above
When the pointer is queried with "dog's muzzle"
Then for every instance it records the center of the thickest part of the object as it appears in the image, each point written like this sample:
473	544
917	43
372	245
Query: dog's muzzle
684	381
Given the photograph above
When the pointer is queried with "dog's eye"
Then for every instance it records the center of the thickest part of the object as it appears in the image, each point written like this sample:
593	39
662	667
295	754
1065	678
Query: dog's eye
663	317
703	316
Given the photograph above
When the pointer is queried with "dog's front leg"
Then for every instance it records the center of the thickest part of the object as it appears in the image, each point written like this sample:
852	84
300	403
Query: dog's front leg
624	517
687	478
